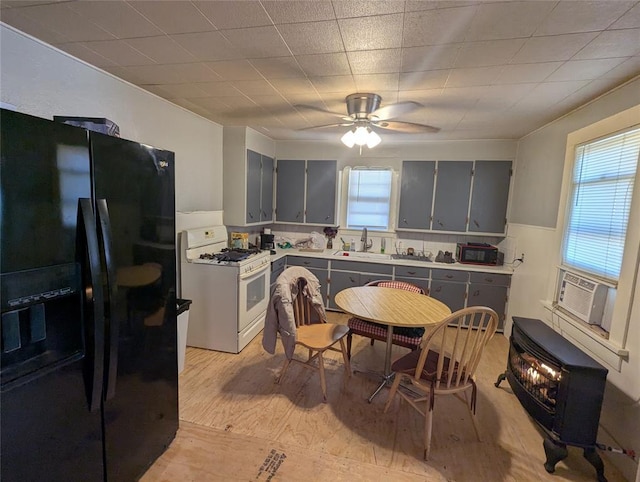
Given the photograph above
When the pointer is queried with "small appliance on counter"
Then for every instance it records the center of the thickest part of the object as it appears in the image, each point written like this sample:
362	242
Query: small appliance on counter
445	257
479	253
267	241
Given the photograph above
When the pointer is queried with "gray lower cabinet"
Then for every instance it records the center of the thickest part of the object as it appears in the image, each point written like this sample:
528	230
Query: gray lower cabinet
417	276
341	280
455	288
347	274
450	287
317	266
277	267
490	290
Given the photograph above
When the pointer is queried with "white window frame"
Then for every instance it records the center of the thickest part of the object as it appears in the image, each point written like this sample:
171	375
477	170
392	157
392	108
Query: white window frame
620	309
344	195
585	251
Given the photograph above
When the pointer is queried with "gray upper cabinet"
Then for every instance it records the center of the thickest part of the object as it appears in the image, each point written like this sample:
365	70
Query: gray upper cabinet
491	180
266	211
321	192
290	191
247	171
306	191
254	186
416	194
259	188
468	196
453	188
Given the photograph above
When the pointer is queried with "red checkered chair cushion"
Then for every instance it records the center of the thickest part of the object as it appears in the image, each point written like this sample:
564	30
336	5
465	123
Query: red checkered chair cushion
402	336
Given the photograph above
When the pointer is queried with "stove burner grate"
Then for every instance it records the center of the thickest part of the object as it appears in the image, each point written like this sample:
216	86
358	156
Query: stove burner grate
231	254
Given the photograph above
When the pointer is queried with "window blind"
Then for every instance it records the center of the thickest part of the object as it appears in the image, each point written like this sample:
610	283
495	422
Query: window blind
601	194
369	198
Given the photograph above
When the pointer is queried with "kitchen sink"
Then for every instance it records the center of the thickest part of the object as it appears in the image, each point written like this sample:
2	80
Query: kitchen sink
361	255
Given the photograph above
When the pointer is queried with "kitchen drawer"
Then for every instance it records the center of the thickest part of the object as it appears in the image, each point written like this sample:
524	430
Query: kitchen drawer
307	262
450	275
491	278
278	264
412	272
362	267
275	274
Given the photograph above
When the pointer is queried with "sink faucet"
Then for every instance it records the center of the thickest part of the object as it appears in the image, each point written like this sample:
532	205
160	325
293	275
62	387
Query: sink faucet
365	243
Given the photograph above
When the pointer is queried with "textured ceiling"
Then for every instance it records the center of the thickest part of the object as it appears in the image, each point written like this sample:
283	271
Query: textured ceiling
482	70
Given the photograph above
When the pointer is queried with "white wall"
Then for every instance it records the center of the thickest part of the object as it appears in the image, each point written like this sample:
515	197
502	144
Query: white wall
43	81
535	205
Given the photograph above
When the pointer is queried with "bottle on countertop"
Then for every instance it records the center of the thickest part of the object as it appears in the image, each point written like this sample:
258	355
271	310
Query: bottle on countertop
352	246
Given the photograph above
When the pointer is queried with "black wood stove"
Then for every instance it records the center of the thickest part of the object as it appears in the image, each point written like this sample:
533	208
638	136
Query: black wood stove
560	386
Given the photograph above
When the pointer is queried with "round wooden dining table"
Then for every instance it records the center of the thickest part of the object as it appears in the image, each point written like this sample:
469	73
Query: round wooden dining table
391	307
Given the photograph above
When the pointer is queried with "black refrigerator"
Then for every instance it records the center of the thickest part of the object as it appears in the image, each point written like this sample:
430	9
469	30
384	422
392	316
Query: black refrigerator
88	374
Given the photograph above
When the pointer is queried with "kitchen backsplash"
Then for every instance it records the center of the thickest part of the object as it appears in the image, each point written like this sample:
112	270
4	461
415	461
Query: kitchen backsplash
420	242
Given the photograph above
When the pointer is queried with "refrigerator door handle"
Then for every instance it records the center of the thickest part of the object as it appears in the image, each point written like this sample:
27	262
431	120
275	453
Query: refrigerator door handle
112	326
88	249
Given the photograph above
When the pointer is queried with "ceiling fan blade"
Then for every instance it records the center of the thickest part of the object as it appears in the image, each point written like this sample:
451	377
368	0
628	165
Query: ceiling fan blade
392	111
318	109
408	127
326	126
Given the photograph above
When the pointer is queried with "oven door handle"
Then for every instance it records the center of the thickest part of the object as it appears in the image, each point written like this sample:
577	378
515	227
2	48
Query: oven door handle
254	272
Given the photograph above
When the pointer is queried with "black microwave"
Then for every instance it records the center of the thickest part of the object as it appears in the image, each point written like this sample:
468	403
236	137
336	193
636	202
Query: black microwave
478	253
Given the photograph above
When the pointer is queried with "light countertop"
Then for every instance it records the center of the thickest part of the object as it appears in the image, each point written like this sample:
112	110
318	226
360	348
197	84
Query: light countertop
329	255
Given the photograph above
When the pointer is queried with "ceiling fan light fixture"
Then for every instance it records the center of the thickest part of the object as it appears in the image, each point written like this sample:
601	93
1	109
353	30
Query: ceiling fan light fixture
361	135
373	140
348	139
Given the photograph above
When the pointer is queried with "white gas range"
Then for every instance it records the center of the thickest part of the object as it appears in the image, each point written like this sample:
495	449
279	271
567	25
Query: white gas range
229	289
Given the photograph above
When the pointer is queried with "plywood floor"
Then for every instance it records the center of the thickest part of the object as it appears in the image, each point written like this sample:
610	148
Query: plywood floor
237	424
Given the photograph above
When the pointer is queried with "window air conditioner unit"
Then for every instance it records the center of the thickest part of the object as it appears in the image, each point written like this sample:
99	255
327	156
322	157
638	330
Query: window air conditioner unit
582	297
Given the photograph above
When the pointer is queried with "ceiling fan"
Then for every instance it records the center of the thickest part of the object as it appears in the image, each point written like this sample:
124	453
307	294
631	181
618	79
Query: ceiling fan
364	113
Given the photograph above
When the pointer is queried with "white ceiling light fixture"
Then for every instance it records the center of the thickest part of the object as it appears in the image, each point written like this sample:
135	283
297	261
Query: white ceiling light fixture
361	136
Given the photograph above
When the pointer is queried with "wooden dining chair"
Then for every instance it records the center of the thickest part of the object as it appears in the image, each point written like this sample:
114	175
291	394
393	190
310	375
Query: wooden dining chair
316	335
445	364
402	336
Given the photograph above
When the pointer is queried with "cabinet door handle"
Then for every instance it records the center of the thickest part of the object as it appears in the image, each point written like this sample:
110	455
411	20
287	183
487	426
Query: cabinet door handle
449	276
306	262
298	215
404	220
476	223
326	217
440	223
438	289
411	272
250	215
476	293
489	280
351	279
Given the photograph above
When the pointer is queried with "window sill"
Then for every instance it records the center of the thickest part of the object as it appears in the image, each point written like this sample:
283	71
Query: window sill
585	337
